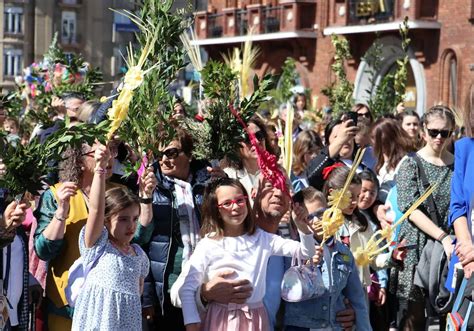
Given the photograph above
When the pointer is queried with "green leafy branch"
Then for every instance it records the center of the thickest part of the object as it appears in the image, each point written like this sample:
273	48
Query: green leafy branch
340	92
401	75
149	123
28	164
220	133
390	90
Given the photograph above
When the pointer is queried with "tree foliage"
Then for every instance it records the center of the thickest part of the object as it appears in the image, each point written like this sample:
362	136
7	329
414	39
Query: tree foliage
340	93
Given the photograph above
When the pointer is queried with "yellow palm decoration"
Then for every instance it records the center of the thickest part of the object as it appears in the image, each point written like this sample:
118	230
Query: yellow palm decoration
242	62
134	76
365	255
288	140
333	217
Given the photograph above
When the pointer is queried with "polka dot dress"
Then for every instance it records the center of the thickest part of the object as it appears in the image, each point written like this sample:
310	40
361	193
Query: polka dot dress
110	297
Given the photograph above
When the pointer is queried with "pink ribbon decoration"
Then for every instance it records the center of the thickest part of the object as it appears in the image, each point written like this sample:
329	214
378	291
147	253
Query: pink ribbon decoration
142	168
267	162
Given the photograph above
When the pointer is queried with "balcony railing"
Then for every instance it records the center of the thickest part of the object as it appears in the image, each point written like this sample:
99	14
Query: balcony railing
288	16
215	25
370	11
272	17
241	19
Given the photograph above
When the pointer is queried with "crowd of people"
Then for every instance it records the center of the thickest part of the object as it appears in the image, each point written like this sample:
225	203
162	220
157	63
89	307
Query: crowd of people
186	244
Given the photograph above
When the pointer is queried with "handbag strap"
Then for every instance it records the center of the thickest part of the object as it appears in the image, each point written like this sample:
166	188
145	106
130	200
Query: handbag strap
433	211
296	259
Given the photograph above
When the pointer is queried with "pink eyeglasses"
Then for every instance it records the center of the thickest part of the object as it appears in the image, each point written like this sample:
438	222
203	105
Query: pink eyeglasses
239	201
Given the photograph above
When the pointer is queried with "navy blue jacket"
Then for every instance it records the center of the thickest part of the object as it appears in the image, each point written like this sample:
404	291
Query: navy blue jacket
165	218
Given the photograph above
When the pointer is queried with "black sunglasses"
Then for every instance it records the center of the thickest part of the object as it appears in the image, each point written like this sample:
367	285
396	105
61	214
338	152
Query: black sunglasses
318	213
433	133
259	135
366	115
171	153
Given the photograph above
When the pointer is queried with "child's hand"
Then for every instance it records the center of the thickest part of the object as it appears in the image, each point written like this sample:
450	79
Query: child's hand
286	217
399	253
300	216
101	156
318	255
147	183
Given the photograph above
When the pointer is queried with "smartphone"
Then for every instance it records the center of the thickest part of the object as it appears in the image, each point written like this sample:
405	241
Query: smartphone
407	247
353	116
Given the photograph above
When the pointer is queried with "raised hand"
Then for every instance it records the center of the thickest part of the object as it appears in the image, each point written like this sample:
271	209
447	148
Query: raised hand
14	214
147	183
64	194
101	157
300	216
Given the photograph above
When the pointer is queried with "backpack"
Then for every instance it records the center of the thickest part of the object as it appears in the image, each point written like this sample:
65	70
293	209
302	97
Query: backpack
77	277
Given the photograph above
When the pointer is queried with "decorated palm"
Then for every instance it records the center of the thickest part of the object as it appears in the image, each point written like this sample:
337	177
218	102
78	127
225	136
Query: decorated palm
333	218
365	255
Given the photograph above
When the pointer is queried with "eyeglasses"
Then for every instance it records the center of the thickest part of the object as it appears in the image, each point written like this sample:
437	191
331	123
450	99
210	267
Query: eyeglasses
366	115
259	135
229	204
318	214
171	153
433	133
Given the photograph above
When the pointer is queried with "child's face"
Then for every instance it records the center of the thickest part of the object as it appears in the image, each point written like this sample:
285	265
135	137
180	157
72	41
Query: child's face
368	194
315	209
355	192
10	127
122	225
232	204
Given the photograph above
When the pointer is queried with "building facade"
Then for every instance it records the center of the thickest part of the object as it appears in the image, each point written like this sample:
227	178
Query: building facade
86	27
441	51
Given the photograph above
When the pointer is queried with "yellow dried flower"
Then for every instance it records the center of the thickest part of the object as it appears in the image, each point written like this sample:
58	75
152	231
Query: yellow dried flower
332	220
344	198
361	257
133	78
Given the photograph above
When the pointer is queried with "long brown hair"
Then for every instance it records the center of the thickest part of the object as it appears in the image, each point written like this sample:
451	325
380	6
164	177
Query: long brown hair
307	141
389	137
118	199
211	218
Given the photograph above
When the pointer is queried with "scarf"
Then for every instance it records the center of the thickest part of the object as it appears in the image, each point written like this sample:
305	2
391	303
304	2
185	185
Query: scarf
188	221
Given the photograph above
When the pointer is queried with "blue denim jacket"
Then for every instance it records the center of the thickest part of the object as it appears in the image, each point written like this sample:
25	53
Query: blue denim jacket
342	282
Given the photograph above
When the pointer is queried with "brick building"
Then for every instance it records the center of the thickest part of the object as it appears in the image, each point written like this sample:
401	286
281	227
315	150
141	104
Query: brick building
441	51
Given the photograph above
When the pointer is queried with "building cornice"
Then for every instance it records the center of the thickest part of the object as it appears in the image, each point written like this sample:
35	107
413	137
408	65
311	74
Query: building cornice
391	26
256	37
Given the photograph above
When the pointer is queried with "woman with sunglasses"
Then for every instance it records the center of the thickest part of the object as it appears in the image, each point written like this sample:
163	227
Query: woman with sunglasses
174	231
247	169
432	163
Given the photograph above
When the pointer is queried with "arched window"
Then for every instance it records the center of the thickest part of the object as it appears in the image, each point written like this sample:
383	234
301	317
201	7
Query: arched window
449	79
453	81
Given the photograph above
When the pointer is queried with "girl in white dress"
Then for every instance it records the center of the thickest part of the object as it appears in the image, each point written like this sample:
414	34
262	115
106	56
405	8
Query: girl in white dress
231	241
